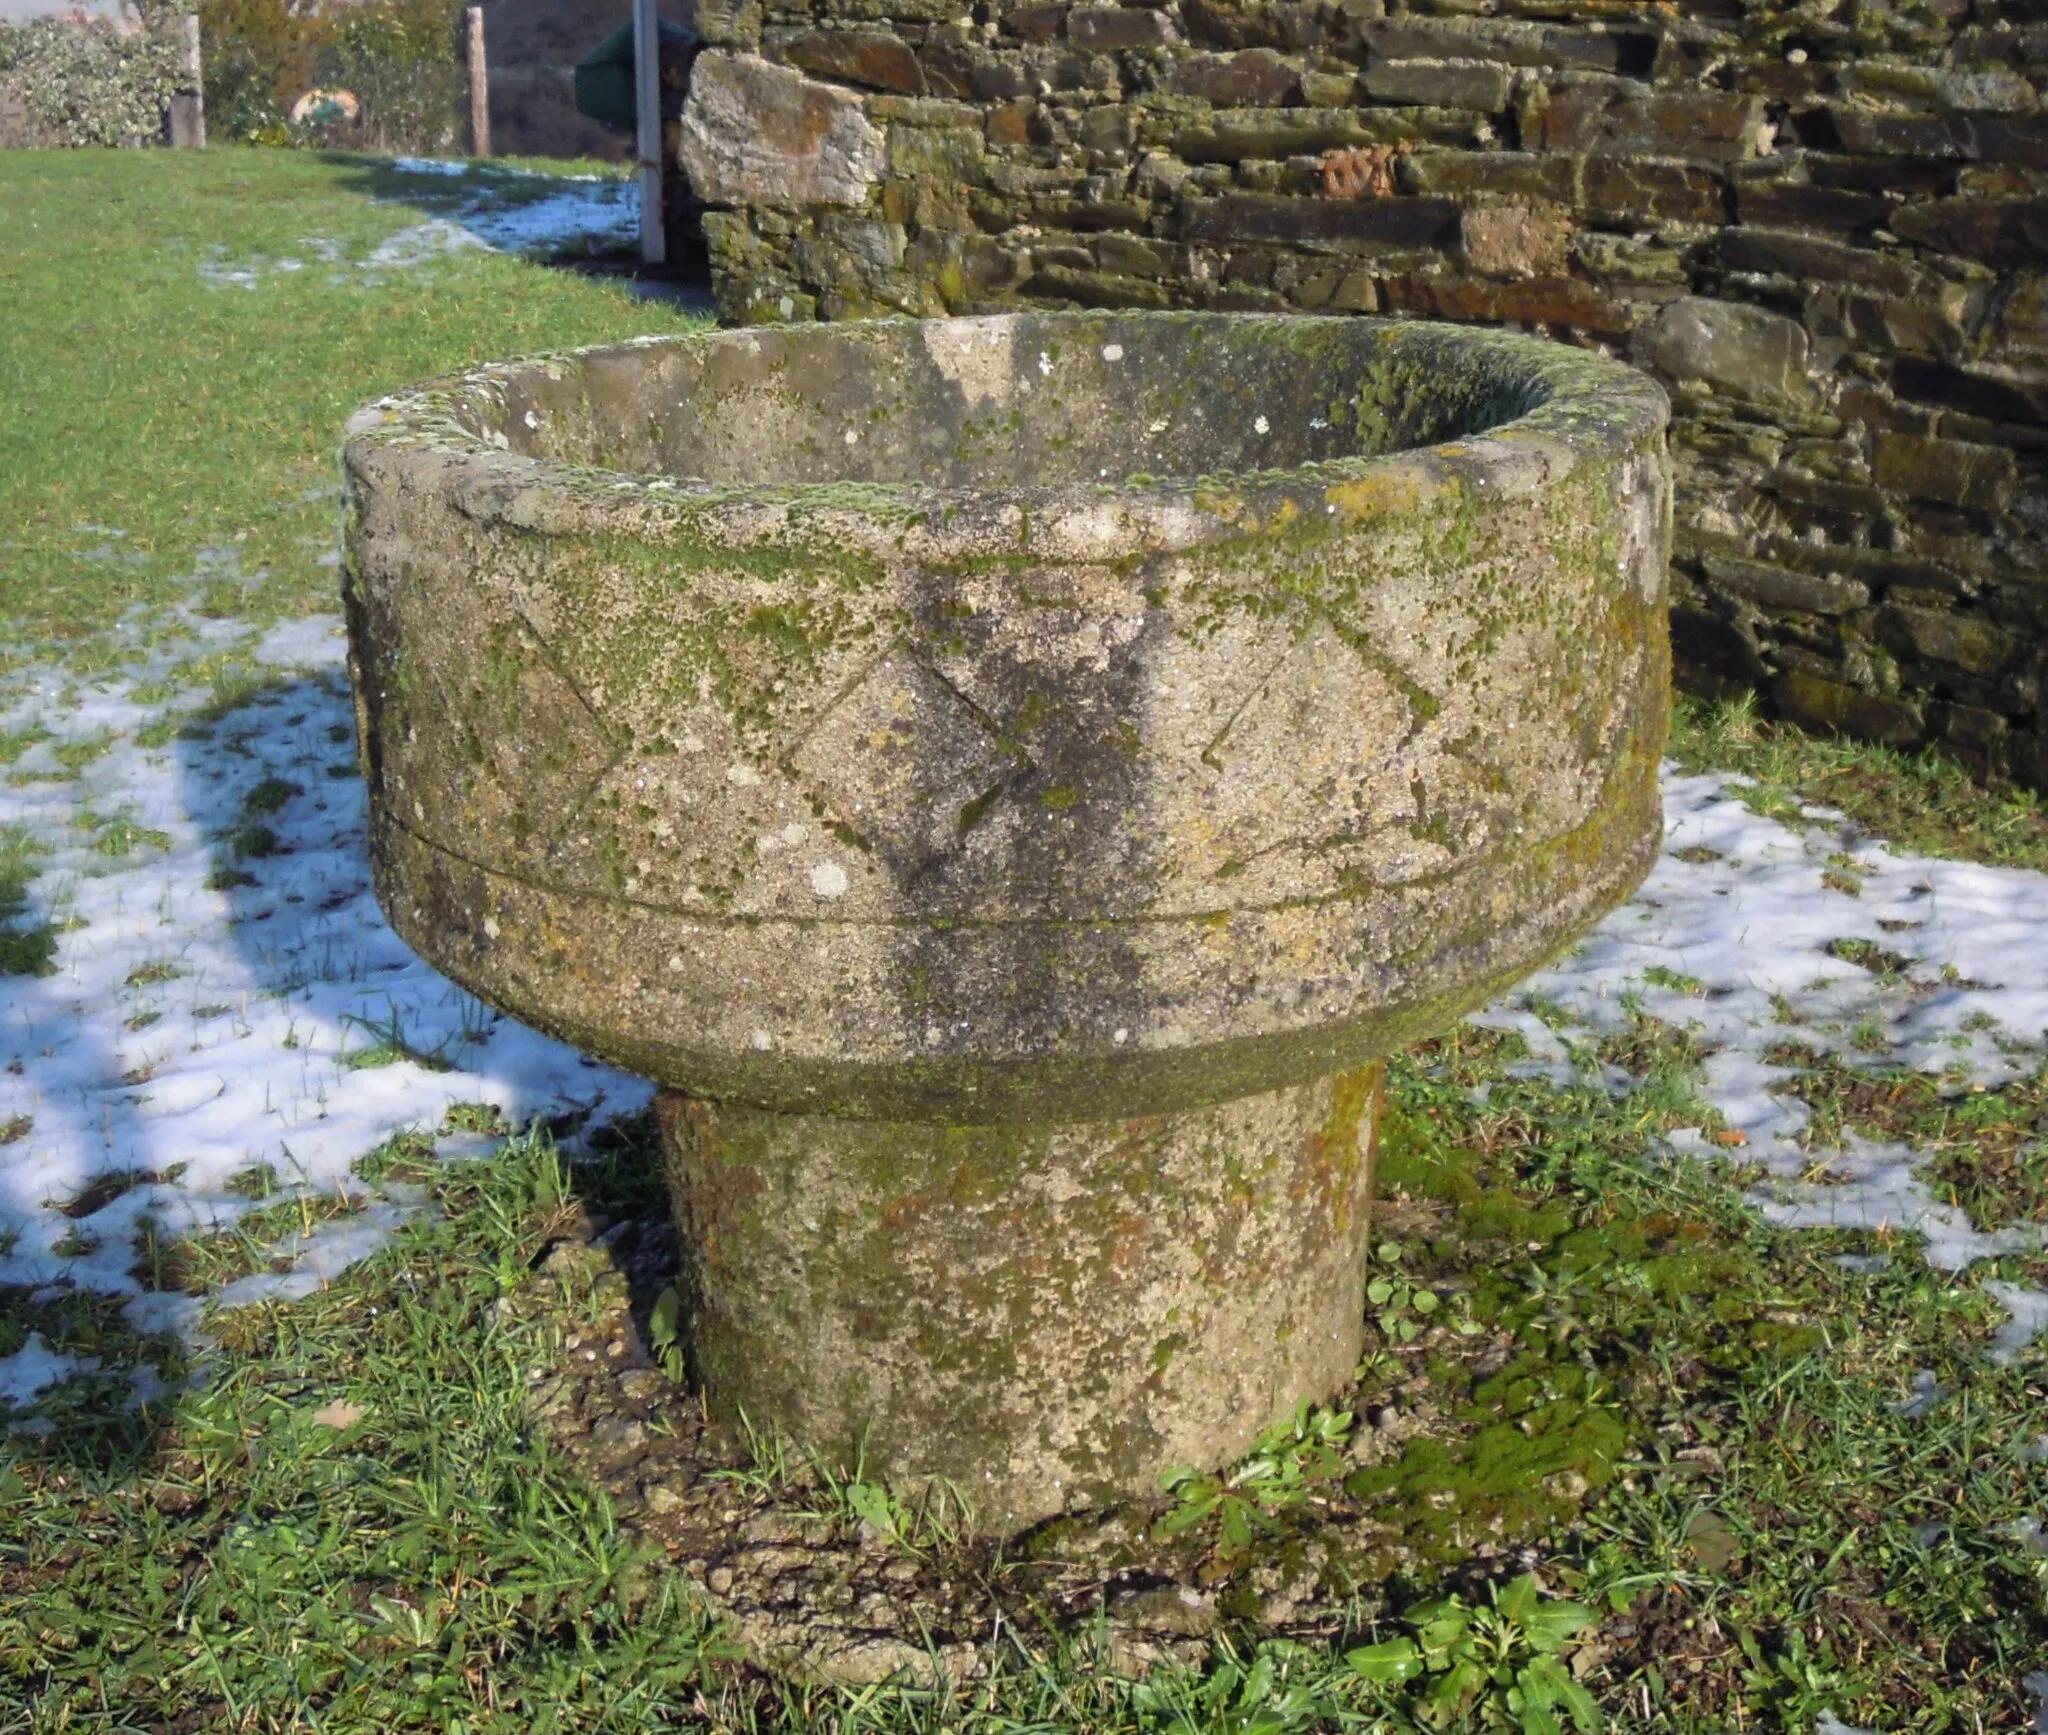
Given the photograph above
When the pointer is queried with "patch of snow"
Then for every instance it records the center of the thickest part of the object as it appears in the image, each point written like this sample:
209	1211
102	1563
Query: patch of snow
1747	915
598	213
586	213
318	1258
36	1365
1870	1185
1927	1393
2037	1685
467	1147
190	1034
2029	1310
436	238
1729	938
221	274
1864	1264
313	643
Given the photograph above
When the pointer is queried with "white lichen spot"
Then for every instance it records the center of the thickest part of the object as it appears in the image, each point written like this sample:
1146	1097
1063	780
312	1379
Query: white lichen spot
1122	1035
1262	426
828	880
853	436
742	776
491	928
793	834
675	959
1112	352
763	1041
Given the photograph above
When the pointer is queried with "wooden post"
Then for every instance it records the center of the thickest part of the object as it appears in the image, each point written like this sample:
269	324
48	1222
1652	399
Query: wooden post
647	115
188	106
479	86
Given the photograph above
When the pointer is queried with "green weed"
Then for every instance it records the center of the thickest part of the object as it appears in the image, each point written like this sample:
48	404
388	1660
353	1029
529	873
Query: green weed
1500	1661
1280	1690
1402	1307
121	834
390	1045
665	1334
75	756
476	1118
271	795
254	841
1276	1475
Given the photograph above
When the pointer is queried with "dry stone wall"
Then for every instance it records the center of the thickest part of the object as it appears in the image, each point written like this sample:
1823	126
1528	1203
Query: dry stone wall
1823	226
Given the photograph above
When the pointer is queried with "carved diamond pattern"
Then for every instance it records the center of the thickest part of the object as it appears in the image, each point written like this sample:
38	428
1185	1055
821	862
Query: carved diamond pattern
905	761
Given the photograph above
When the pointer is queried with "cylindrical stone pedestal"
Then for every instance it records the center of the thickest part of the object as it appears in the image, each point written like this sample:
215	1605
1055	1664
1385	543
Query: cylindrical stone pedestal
1039	1315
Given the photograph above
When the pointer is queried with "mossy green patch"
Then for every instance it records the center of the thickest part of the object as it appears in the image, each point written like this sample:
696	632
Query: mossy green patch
1511	1480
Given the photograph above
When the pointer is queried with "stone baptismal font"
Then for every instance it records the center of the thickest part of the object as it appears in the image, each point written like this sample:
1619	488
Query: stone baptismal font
1009	780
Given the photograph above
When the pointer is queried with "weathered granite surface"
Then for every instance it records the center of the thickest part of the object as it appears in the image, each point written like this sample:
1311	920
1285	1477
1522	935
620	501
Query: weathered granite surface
1824	226
1011	778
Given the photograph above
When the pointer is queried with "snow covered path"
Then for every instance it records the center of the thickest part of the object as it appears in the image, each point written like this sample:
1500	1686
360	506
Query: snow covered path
196	1029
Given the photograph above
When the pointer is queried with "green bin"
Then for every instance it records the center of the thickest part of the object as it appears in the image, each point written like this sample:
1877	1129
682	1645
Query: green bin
604	76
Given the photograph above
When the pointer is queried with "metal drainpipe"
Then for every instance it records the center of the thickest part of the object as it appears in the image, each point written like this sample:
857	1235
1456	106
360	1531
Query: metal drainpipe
647	114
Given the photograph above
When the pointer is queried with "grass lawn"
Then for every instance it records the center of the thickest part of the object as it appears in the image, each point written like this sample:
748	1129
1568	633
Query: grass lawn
1620	1451
1920	801
170	434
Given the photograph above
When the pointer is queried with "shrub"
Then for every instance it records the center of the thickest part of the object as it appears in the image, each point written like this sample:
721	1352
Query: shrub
87	83
258	56
400	59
